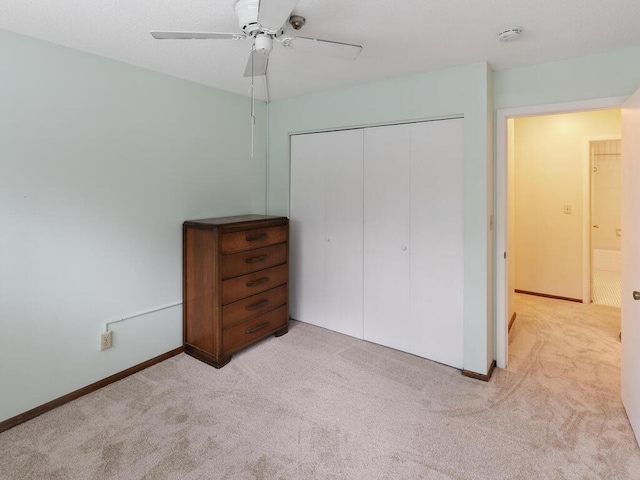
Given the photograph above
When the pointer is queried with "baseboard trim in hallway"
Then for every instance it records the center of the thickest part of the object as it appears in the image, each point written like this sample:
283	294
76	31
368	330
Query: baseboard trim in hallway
37	411
513	319
546	295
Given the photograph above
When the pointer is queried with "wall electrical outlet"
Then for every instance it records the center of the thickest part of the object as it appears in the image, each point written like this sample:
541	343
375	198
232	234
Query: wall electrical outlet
106	340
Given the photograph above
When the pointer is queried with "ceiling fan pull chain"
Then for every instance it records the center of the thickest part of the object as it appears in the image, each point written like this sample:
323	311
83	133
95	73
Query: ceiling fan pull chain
253	111
266	89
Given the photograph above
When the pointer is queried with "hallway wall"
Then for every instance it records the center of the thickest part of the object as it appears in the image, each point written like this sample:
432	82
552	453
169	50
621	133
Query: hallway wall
549	160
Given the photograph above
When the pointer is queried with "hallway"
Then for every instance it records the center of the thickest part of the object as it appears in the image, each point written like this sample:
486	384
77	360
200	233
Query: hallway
567	356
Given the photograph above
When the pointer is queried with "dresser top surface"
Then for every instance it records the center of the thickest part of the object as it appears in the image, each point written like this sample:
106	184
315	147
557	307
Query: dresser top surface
228	221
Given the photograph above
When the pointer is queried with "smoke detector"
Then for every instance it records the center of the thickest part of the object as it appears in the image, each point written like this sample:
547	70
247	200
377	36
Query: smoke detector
510	34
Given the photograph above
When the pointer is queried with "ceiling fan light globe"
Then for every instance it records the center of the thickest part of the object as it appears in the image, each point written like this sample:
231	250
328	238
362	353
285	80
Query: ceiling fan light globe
263	43
297	22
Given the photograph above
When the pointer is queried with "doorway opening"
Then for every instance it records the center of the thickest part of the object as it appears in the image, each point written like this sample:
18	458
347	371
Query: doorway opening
606	219
559	209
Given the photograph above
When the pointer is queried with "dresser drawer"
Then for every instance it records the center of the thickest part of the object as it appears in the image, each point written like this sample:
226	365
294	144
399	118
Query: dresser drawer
252	283
253	260
238	311
249	239
253	329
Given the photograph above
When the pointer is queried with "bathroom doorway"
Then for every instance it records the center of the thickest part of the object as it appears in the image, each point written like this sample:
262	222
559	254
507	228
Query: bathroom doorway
606	216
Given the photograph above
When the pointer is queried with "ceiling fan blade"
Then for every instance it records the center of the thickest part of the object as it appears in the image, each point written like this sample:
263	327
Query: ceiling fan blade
257	64
197	36
272	14
344	51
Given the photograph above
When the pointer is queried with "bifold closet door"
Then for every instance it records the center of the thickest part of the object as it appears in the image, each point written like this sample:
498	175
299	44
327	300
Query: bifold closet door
436	316
387	246
306	230
413	239
326	217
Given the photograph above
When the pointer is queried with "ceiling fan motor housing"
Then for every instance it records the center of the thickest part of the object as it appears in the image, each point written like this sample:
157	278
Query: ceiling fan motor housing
247	11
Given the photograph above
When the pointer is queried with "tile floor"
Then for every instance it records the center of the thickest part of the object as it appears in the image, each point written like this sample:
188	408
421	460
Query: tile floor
607	288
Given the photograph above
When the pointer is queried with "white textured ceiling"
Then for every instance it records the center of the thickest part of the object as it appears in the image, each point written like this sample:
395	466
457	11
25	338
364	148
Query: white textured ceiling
399	37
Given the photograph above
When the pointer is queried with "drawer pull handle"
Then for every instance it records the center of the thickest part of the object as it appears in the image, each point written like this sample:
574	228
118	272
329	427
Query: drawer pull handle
256	259
256	305
259	236
256	328
257	281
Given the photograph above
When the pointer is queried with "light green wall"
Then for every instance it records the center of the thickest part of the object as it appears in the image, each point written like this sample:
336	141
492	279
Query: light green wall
100	163
490	273
584	78
453	92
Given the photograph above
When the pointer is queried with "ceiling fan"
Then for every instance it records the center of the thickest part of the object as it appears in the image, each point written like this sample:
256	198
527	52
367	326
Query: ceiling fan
263	21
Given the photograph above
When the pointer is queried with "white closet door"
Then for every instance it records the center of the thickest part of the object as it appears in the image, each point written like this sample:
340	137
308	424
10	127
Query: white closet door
386	235
326	220
343	196
435	320
306	226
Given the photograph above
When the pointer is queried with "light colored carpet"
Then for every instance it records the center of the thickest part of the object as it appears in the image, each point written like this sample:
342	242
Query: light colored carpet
315	404
607	288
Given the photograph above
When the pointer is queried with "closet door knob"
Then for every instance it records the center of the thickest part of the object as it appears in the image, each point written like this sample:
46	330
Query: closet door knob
404	248
327	239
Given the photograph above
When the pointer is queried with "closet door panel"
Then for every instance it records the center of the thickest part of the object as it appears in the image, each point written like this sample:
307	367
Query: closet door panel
326	230
343	195
386	235
436	317
306	247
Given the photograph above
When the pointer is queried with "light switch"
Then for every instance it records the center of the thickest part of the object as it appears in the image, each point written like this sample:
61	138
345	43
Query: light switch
567	209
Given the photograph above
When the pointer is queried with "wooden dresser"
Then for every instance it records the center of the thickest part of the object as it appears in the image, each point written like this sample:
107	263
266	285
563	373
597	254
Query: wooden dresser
235	284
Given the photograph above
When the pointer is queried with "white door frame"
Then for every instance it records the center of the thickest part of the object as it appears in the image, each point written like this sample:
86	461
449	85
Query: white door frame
502	116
